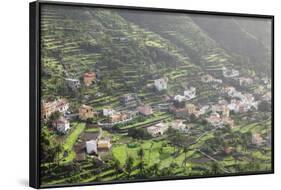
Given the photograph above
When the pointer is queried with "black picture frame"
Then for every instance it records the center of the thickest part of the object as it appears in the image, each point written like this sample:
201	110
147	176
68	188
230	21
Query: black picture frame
34	89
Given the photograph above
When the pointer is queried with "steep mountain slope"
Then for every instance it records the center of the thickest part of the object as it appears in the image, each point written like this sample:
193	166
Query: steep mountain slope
257	28
128	51
211	41
126	57
182	31
237	35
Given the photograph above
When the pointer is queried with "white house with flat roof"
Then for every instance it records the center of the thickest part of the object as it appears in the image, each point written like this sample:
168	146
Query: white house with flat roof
73	83
91	147
157	130
190	93
61	125
108	112
179	125
161	84
230	73
179	98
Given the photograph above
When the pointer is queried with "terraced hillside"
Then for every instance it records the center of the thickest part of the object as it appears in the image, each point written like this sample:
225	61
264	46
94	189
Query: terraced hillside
182	31
229	33
141	128
79	44
212	41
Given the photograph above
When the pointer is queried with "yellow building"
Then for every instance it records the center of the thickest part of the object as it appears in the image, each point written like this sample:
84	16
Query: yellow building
118	117
191	108
48	108
89	78
104	144
86	112
225	111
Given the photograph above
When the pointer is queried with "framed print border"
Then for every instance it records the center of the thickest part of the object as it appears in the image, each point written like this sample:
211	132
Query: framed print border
35	86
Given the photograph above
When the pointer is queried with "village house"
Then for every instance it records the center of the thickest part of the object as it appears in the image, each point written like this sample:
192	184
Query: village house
259	89
207	78
237	94
234	105
108	112
95	146
179	112
243	81
228	121
117	117
73	83
232	92
257	139
145	110
61	125
266	80
248	97
222	102
98	94
239	106
179	98
216	108
214	119
86	112
167	98
230	73
129	100
87	96
217	80
203	109
228	90
191	109
249	102
104	144
89	78
267	97
222	107
225	111
157	130
179	125
48	108
91	147
190	93
244	107
164	107
228	150
267	83
161	84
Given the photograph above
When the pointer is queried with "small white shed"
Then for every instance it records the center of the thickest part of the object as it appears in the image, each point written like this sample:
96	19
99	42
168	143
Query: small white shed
91	147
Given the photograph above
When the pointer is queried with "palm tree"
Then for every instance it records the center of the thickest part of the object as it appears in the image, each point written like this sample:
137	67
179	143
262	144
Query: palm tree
53	117
117	167
141	153
161	150
98	177
141	168
185	150
129	165
95	162
215	168
150	149
57	150
155	169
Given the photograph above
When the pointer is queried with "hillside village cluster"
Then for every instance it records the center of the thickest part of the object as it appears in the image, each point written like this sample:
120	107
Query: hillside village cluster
132	95
216	114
